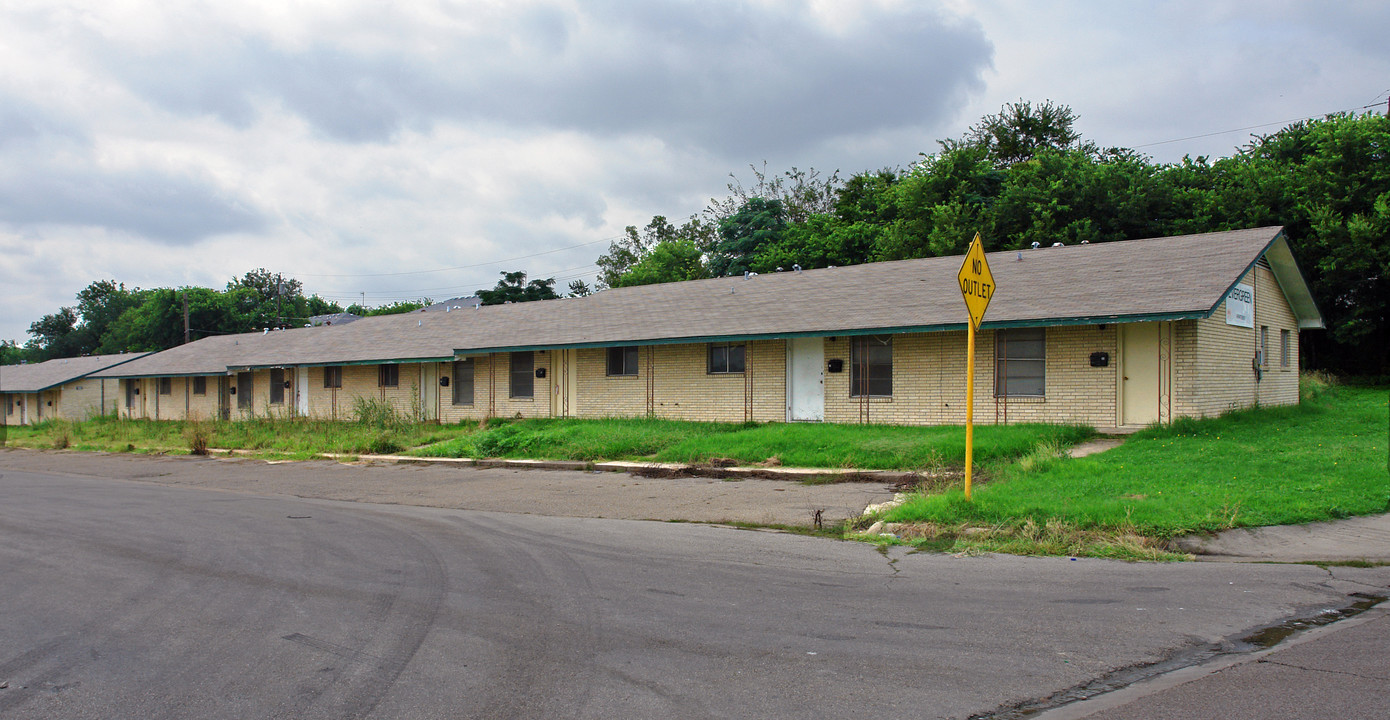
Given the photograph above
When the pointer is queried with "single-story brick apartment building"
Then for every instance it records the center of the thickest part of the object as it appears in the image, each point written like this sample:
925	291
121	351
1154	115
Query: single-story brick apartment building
1107	334
59	388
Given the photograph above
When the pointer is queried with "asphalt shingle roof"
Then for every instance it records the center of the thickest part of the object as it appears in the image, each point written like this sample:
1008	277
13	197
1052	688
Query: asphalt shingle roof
1159	278
42	376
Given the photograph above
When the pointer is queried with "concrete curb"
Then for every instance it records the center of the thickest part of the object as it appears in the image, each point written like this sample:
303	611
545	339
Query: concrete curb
765	473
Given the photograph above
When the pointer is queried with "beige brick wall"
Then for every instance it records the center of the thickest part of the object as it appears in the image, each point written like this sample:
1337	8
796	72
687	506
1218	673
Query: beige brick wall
21	409
491	375
682	388
929	381
79	399
204	406
1214	371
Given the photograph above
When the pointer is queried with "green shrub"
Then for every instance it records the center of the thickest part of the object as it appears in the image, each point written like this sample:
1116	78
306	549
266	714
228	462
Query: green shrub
377	413
385	444
198	437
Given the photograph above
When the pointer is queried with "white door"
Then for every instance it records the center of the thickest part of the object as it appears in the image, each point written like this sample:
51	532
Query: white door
429	391
1139	377
301	390
565	384
806	379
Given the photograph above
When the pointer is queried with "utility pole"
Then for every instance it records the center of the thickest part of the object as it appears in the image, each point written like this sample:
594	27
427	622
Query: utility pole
185	316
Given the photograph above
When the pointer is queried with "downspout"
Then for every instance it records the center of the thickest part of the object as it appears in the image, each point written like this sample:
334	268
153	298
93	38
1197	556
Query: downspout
491	384
651	382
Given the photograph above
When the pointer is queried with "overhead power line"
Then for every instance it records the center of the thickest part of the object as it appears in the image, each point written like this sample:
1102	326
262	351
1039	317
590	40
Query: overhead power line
456	267
1253	127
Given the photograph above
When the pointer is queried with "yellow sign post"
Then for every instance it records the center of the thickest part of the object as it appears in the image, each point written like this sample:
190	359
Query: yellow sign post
977	287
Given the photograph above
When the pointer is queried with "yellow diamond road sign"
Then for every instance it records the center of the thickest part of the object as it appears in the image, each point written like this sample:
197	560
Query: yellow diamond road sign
976	282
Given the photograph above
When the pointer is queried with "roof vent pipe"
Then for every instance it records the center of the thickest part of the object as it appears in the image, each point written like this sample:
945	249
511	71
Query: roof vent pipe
746	274
1020	257
1057	244
265	331
1036	244
796	269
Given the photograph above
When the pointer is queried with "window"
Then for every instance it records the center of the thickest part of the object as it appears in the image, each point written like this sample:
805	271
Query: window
388	375
1264	347
243	390
725	358
871	366
277	386
1020	362
622	360
130	392
523	380
463	382
333	376
200	385
9	407
166	386
1285	348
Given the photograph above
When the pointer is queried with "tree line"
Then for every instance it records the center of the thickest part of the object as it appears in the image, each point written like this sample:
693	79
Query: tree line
1025	175
1020	176
111	318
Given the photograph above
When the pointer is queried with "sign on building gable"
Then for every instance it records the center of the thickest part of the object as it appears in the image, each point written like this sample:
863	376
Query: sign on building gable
1240	306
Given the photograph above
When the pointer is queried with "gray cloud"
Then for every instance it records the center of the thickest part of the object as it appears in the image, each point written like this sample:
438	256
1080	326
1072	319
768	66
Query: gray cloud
736	80
170	209
48	176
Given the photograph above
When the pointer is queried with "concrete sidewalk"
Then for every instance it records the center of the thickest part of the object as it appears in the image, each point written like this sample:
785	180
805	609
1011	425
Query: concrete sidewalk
1359	538
1333	672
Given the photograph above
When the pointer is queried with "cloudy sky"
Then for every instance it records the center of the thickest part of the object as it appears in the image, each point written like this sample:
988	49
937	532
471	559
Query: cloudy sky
398	150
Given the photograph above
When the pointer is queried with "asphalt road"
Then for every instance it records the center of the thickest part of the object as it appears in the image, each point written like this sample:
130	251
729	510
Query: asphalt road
129	599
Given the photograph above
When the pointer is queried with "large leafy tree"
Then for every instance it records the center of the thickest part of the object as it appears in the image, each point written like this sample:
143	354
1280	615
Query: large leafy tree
1328	182
55	335
669	261
514	288
759	223
1021	130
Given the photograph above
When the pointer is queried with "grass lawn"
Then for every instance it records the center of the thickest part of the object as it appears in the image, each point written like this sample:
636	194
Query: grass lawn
1322	460
293	438
796	445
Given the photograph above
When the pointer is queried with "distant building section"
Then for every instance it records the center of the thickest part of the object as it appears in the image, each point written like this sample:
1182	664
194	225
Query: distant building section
341	318
458	303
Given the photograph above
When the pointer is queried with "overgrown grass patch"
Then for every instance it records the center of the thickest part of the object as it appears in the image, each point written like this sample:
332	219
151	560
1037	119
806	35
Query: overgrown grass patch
871	447
294	437
1322	460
